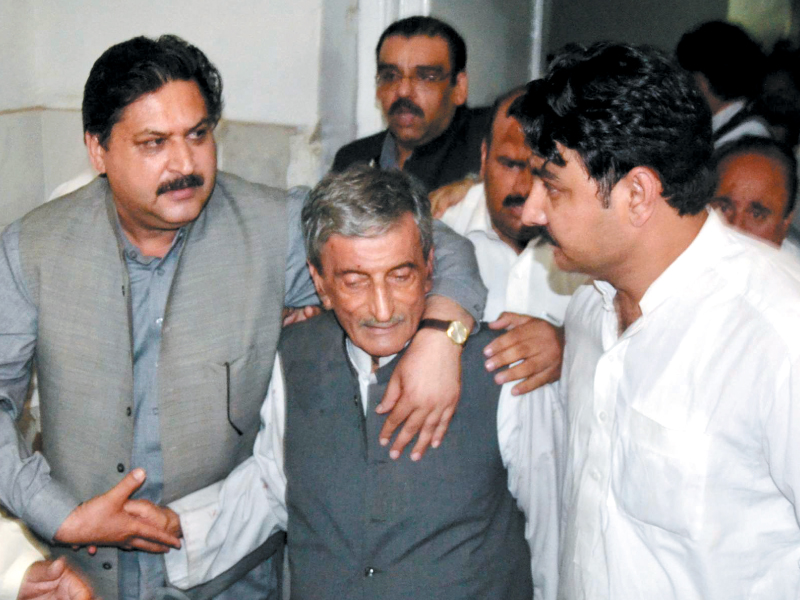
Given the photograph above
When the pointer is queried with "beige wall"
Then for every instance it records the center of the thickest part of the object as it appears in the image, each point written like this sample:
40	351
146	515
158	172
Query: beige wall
268	52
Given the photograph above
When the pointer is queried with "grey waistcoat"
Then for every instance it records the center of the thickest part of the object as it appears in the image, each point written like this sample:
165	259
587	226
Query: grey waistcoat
224	308
364	527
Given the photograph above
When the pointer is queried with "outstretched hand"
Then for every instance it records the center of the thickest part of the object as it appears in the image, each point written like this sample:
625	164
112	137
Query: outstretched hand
537	345
112	519
53	580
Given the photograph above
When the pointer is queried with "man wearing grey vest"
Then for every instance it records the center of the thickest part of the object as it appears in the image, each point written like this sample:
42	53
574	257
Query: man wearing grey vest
151	300
360	526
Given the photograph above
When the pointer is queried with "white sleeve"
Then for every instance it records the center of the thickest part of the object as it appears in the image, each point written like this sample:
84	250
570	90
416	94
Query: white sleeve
225	521
531	432
16	555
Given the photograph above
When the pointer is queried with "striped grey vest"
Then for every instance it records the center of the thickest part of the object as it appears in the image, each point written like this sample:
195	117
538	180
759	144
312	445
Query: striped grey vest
219	335
364	527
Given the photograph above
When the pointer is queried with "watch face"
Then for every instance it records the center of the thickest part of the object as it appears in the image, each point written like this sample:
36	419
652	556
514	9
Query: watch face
457	332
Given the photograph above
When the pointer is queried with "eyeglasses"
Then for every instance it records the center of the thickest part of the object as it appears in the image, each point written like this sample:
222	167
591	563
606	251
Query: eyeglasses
420	77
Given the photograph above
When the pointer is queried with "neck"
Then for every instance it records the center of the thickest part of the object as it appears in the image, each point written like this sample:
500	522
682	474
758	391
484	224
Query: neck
664	239
150	242
516	245
403	154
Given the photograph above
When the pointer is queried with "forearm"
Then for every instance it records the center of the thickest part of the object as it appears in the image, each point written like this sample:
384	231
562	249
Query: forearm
447	309
221	525
456	275
26	486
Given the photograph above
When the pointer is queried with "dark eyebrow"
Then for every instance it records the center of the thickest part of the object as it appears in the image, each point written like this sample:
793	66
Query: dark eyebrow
760	206
510	162
544	173
405	265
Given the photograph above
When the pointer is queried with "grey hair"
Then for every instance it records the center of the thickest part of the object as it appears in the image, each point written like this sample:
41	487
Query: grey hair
363	201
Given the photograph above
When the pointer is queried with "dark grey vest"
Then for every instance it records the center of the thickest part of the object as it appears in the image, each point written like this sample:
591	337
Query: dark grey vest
365	527
219	335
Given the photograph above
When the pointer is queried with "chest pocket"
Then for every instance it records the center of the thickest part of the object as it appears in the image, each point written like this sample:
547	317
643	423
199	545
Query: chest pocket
243	385
659	475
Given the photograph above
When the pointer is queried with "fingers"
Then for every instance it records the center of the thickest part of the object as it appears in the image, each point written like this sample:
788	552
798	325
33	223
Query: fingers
441	428
507	354
522	370
535	381
426	435
388	402
399	414
161	517
125	488
413	425
311	311
509	320
56	568
145	532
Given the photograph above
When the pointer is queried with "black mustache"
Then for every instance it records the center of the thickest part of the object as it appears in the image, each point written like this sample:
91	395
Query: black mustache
404	104
546	237
514	200
187	181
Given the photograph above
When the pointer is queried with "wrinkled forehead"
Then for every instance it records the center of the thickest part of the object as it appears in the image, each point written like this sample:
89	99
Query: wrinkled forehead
415	51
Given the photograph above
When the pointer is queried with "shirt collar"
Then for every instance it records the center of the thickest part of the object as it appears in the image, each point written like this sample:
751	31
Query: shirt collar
703	251
685	269
388	157
726	114
362	362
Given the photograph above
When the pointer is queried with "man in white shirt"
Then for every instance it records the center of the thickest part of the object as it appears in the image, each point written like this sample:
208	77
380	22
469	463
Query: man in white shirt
360	525
682	363
25	575
528	293
757	189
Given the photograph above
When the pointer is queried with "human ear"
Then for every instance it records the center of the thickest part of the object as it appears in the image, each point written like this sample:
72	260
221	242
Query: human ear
461	89
319	283
643	187
96	152
484	154
429	271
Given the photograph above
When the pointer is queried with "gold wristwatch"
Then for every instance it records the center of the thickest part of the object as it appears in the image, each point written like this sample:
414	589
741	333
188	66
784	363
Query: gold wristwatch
455	330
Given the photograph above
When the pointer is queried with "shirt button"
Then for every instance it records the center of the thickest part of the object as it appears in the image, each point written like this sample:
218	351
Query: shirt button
159	320
369	572
128	411
121	468
602	416
131	255
107	566
160	271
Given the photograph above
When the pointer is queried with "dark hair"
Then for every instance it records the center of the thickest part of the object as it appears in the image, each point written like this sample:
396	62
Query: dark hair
139	66
363	201
728	57
769	148
428	26
619	107
495	109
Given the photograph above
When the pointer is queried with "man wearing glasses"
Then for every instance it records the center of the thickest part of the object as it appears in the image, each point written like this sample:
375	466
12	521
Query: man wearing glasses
422	85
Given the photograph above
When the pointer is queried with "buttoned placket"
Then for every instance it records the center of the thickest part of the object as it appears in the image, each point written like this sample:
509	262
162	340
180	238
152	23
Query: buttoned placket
602	421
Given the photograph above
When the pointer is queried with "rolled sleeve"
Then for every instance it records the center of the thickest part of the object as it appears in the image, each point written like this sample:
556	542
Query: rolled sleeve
456	275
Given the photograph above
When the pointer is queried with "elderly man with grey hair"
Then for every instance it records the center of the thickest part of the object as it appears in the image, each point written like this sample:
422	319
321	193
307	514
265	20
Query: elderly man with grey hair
361	526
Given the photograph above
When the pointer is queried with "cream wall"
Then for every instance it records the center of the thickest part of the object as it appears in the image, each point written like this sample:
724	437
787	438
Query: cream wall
268	52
